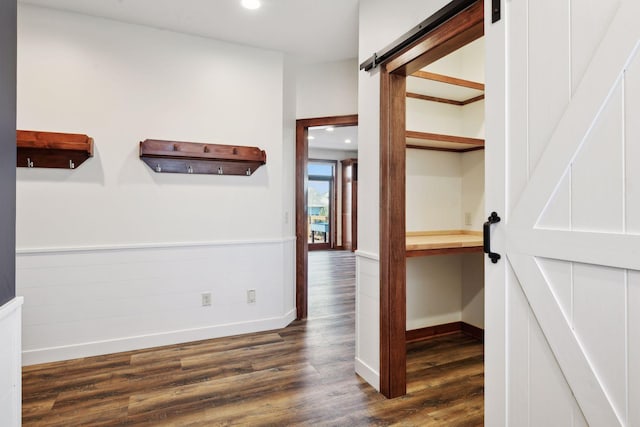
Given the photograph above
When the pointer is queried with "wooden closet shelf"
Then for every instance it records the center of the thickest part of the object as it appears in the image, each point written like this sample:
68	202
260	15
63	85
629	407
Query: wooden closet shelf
446	89
436	141
425	243
198	158
36	149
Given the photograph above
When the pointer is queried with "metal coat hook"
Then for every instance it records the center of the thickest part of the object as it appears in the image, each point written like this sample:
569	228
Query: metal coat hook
29	162
71	164
158	168
248	171
220	172
189	169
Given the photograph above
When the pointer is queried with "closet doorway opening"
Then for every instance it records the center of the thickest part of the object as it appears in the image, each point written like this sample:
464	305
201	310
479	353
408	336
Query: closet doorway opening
432	191
324	223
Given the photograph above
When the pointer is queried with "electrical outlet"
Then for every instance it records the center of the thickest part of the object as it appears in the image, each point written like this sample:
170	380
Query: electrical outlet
467	218
206	299
251	296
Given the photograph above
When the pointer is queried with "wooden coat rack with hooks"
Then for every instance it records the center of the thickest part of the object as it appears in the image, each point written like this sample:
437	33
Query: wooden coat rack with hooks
197	158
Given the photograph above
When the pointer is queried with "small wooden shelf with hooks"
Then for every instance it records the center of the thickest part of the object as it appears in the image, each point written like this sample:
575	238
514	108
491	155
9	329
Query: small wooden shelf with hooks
197	158
52	149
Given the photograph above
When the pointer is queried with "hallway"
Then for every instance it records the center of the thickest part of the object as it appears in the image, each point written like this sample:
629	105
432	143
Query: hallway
300	375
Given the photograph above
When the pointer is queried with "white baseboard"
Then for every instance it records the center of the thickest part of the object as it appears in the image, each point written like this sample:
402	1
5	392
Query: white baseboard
368	374
53	354
10	369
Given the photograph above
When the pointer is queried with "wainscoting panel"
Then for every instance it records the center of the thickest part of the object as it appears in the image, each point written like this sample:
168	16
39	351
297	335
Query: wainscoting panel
367	361
10	363
84	302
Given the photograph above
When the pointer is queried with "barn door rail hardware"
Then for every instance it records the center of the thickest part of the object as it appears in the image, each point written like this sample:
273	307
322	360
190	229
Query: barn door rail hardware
198	158
36	149
416	33
493	219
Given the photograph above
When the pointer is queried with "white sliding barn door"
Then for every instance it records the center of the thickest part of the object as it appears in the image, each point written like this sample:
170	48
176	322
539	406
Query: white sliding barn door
563	172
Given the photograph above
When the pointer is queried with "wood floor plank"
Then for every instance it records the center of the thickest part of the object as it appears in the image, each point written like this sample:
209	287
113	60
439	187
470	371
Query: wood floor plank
302	375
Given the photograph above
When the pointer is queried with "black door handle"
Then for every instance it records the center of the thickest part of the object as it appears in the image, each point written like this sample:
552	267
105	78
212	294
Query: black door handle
494	218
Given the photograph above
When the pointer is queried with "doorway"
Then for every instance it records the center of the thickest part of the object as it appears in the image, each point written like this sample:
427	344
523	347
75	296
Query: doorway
457	30
302	196
321	204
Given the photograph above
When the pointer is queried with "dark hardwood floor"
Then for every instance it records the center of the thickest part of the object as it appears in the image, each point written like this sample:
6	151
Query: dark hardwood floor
332	289
301	375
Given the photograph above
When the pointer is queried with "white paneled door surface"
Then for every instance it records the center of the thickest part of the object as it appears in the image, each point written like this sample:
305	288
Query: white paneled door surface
563	172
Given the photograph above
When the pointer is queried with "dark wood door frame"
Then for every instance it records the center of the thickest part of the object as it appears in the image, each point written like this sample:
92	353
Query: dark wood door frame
302	154
454	33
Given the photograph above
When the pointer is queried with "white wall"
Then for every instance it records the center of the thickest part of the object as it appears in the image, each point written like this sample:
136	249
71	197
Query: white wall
127	251
434	287
433	190
288	180
380	23
473	289
327	89
473	189
10	363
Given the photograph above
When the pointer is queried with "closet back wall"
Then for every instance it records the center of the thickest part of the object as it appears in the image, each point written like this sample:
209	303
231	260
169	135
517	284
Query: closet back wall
112	255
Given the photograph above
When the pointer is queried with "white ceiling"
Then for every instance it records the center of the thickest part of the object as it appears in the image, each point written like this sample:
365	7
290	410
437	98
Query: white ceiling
311	30
335	140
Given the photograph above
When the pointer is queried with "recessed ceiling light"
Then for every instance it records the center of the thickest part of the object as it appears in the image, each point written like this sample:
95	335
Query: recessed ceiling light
347	141
250	4
311	137
329	129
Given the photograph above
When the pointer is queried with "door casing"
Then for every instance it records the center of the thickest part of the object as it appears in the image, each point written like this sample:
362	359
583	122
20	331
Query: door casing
461	29
302	247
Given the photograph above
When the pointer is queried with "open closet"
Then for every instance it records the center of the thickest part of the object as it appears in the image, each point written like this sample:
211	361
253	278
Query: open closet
432	190
445	195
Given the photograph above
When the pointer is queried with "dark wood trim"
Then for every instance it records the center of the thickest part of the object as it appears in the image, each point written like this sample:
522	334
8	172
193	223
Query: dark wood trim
445	138
302	248
466	150
444	251
333	220
445	100
392	235
473	331
451	150
429	332
349	120
386	314
472	100
302	153
458	31
435	99
350	204
427	75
